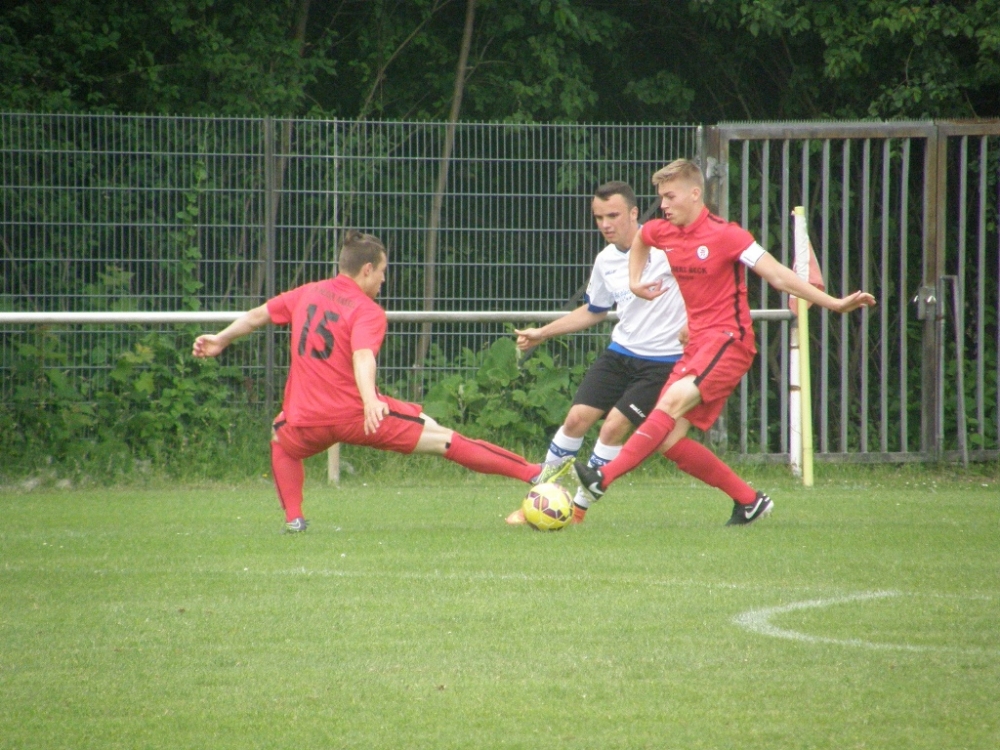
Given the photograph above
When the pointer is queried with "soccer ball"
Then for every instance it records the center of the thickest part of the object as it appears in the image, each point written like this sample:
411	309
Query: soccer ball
547	507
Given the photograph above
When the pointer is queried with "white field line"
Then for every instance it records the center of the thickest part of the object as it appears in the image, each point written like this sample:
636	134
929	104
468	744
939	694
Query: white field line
759	621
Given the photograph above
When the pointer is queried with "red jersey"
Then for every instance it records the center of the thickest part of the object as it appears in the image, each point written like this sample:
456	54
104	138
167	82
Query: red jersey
329	320
707	258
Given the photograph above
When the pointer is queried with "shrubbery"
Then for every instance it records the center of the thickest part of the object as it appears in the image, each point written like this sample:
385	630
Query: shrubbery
159	411
156	409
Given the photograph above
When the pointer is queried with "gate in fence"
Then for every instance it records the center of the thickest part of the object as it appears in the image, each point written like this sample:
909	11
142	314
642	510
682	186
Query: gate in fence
909	212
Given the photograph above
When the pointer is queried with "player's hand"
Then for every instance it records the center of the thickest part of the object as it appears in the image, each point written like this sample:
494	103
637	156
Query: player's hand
528	338
684	335
854	301
648	290
208	345
375	412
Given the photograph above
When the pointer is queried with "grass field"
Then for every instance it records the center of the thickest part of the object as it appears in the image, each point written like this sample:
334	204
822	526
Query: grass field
862	614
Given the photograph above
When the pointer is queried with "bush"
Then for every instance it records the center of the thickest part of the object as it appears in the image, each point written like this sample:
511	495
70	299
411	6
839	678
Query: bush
156	411
515	404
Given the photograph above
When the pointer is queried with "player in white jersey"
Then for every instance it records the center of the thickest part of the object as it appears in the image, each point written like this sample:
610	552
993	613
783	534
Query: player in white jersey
623	384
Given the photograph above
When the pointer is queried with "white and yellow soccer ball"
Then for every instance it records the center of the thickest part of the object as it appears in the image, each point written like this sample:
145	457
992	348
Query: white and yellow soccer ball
548	507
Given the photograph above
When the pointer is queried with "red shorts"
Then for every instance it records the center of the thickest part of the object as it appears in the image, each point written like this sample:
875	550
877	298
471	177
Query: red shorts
718	361
399	432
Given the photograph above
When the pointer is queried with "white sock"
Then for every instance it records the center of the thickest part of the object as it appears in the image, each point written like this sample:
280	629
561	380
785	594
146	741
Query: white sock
601	455
562	445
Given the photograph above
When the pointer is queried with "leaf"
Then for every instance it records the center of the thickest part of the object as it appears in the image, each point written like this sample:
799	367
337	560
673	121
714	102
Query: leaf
500	366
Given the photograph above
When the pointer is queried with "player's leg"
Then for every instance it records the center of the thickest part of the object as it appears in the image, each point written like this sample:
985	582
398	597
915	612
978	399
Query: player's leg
644	381
679	397
607	446
708	371
289	446
563	447
695	459
568	439
289	478
604	384
477	455
406	429
717	380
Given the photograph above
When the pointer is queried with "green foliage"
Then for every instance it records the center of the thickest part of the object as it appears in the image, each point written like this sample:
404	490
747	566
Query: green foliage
530	61
47	411
512	403
182	263
195	57
886	58
155	410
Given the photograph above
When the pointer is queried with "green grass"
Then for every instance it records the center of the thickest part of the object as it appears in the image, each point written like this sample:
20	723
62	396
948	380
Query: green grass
410	616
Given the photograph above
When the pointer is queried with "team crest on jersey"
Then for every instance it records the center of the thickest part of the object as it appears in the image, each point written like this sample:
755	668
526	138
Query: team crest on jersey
702	252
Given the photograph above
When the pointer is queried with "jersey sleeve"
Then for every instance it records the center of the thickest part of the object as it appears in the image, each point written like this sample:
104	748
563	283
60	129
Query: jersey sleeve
652	232
599	298
280	308
369	328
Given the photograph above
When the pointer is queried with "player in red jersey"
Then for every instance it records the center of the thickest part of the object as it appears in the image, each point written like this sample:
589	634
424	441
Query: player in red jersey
331	396
707	256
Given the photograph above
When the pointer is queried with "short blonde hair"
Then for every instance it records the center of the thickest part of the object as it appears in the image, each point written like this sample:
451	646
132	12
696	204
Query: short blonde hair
680	169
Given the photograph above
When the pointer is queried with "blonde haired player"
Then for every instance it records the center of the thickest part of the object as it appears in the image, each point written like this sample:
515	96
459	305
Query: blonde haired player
708	256
622	385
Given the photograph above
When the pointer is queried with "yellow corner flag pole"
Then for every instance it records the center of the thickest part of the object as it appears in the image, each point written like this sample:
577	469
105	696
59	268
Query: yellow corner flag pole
805	382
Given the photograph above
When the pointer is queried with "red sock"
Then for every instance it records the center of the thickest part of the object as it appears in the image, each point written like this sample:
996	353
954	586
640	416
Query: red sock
641	445
487	458
695	459
289	477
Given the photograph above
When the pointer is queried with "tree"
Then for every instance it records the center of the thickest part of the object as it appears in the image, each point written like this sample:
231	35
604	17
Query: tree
782	59
171	57
529	60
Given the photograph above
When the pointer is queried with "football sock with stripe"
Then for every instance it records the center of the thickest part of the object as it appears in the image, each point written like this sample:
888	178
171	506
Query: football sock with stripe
641	444
562	445
695	459
603	453
486	458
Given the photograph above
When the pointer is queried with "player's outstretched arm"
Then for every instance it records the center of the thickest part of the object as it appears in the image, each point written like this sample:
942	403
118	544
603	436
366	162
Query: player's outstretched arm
784	279
363	361
212	344
577	320
637	257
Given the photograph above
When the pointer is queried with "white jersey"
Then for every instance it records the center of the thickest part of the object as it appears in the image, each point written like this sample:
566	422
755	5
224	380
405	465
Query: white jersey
645	329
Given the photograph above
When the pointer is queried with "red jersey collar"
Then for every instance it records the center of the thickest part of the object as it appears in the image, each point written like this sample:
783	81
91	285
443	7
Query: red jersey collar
696	224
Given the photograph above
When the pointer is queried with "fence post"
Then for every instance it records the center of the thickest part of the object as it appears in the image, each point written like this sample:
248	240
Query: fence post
929	309
270	200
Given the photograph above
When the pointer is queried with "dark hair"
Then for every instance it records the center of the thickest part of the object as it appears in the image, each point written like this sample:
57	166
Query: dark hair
617	187
358	249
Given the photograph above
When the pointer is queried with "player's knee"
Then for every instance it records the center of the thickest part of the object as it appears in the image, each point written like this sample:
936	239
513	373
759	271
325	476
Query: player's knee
679	397
577	422
615	429
434	438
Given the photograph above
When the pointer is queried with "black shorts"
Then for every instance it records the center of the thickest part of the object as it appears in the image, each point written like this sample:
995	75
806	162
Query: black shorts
632	385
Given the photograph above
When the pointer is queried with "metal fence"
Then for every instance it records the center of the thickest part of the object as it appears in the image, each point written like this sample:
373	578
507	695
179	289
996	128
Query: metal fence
162	213
907	210
122	213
